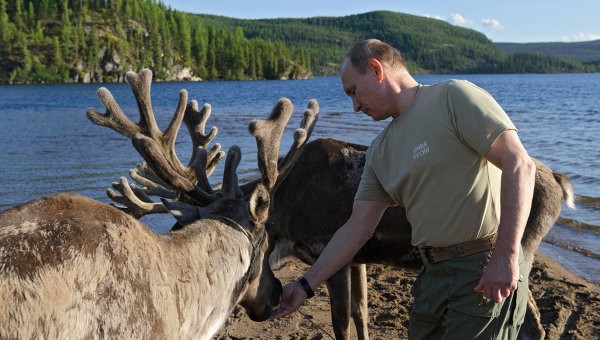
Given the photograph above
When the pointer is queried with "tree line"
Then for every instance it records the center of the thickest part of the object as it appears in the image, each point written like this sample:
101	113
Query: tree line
428	45
97	40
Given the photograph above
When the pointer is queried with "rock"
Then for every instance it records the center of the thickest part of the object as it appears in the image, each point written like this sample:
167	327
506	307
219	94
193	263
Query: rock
180	73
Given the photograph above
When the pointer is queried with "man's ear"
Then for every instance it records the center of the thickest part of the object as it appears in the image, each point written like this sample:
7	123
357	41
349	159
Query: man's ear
377	68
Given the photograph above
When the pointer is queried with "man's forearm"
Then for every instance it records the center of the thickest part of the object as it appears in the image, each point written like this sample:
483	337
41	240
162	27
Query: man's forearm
339	251
347	240
516	195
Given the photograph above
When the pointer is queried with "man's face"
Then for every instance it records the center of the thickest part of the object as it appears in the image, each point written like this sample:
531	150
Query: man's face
365	90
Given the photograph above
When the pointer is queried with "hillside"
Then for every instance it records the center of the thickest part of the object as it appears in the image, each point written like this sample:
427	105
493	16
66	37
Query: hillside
429	45
98	41
586	51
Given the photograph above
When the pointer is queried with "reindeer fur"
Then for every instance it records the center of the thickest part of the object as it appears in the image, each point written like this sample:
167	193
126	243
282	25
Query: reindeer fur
71	267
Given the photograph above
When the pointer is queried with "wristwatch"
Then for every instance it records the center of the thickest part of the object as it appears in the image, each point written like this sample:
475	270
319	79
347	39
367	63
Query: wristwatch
307	289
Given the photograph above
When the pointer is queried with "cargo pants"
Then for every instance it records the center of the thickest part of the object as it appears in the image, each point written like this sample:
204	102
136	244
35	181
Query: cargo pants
447	307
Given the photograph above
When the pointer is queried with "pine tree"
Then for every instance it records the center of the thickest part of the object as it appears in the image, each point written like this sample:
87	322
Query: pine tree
18	15
200	49
185	37
66	33
7	29
57	58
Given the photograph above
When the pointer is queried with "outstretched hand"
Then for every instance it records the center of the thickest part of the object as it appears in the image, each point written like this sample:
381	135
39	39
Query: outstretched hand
292	297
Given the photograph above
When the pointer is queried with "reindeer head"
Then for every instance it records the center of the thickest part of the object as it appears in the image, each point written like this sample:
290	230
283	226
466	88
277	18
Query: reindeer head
185	190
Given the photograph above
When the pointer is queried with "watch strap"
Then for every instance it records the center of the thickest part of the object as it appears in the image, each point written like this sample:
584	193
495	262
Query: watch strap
307	289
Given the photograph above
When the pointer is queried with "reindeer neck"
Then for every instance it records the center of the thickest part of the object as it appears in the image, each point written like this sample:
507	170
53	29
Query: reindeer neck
202	263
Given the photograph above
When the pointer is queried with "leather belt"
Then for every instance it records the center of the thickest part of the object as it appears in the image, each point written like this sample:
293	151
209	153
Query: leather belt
438	254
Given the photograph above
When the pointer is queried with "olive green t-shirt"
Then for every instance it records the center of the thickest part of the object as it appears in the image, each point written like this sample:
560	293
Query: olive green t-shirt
430	161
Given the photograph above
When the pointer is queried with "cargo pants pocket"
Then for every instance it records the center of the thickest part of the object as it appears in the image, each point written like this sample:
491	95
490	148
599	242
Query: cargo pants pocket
521	293
468	271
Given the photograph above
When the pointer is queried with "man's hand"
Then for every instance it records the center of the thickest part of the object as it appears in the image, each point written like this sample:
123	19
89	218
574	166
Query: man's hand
340	250
507	153
292	297
499	278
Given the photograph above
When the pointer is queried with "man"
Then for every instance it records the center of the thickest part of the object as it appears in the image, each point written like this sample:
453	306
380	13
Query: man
452	158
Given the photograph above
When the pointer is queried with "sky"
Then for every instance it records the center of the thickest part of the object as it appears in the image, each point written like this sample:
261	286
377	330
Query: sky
501	21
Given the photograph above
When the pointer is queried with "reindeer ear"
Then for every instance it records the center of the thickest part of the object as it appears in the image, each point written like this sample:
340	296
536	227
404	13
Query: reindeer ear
258	204
184	213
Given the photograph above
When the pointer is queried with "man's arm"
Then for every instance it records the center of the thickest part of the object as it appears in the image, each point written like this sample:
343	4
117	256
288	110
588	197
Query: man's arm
340	250
518	179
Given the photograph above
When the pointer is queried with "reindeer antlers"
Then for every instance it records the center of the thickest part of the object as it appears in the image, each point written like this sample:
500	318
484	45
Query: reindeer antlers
268	136
164	175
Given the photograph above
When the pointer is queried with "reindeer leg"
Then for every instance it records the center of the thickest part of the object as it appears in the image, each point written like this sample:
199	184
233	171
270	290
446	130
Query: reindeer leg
359	300
338	286
532	326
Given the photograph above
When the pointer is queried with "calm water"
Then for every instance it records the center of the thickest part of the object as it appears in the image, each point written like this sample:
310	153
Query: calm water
48	145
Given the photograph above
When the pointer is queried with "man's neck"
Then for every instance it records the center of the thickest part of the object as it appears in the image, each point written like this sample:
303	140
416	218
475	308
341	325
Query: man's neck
406	95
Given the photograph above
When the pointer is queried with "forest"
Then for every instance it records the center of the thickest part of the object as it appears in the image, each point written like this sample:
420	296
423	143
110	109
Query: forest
99	40
50	41
428	45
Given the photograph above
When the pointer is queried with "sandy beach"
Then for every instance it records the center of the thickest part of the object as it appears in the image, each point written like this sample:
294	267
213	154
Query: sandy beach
569	306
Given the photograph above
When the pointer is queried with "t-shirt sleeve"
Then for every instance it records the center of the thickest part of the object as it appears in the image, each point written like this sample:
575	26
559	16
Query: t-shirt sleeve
369	188
477	117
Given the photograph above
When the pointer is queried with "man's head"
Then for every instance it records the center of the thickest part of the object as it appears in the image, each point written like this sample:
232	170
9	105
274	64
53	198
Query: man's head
372	75
366	50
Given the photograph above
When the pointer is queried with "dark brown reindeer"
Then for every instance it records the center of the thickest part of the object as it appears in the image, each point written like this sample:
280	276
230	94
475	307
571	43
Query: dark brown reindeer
72	267
316	199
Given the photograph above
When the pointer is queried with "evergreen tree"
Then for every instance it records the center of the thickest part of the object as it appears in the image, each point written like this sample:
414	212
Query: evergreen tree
57	58
66	33
18	16
185	38
200	49
6	27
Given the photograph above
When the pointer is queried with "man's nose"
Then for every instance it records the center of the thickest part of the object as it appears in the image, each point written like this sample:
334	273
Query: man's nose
356	105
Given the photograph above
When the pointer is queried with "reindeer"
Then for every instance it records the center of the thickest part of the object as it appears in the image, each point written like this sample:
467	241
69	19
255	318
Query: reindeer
72	267
316	199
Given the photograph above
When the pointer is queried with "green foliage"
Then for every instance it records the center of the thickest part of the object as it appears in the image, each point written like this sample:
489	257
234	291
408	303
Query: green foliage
99	40
538	63
584	51
428	45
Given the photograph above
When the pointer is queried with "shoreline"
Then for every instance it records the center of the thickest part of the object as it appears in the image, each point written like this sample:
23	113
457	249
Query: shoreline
569	306
557	269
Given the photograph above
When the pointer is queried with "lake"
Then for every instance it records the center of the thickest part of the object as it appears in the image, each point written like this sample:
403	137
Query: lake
48	145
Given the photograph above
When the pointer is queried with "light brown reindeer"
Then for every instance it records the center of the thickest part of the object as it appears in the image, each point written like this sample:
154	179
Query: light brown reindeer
316	199
72	267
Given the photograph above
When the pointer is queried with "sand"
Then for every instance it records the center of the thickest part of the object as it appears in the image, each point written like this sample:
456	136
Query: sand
569	306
